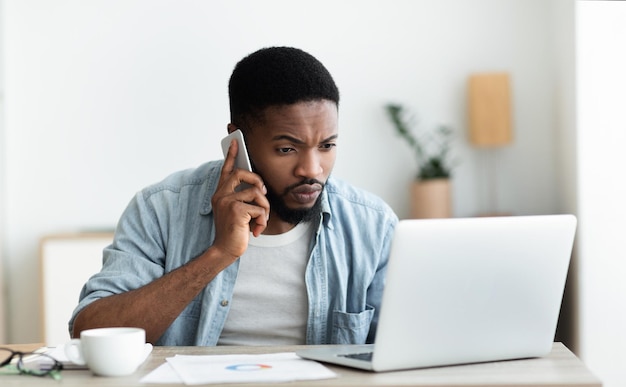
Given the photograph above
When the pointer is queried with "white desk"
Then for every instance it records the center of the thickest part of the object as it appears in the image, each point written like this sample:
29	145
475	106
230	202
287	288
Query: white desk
560	368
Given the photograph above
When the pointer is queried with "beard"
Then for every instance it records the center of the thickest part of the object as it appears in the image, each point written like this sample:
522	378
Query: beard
294	215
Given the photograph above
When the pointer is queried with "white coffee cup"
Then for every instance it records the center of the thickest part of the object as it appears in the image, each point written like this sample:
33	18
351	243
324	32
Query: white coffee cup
109	351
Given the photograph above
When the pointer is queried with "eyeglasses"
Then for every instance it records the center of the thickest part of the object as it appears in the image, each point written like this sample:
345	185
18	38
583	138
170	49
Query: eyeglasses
29	363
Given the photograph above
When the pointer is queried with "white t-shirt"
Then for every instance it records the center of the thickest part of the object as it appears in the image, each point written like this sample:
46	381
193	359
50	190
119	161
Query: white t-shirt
270	303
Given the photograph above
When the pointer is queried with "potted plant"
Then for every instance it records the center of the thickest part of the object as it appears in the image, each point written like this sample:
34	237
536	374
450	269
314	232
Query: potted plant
430	192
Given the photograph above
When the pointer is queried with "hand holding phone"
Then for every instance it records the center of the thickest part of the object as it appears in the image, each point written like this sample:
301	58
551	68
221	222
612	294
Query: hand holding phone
255	212
242	161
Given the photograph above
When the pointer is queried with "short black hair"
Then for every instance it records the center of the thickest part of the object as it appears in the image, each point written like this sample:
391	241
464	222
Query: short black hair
276	76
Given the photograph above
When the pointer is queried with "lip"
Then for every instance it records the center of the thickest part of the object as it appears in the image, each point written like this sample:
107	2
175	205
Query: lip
306	194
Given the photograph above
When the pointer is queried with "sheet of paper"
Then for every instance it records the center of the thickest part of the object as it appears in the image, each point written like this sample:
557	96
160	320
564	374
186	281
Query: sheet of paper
277	367
163	374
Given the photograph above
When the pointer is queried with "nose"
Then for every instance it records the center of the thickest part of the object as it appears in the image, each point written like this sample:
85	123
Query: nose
309	165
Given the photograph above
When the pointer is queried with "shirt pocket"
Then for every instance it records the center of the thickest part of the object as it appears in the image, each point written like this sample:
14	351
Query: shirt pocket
351	328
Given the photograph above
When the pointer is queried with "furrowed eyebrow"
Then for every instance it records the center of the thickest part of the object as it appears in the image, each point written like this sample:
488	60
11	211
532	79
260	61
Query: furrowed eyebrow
331	138
288	138
298	141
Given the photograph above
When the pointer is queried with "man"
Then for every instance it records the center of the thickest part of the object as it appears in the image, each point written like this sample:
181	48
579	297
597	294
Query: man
297	258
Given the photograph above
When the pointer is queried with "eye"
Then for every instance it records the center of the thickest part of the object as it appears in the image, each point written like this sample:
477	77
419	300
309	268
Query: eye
284	150
328	146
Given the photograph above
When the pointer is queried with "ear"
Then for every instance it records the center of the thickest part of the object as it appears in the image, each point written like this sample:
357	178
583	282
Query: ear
231	128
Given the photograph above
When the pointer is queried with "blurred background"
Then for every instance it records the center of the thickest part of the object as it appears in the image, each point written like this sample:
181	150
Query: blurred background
101	98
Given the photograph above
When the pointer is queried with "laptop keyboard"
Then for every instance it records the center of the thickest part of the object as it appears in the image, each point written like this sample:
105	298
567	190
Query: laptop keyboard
365	356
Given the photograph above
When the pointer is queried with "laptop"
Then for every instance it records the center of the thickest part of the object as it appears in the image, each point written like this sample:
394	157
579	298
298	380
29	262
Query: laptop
466	290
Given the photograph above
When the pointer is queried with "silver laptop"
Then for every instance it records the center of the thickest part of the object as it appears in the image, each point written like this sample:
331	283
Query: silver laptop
466	290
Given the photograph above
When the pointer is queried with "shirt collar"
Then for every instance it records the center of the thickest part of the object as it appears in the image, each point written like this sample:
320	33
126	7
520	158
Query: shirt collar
212	180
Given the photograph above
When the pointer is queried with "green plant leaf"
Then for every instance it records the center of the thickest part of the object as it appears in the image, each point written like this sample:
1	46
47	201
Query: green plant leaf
431	164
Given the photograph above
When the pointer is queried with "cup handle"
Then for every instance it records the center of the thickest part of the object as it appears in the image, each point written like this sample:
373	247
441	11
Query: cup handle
74	352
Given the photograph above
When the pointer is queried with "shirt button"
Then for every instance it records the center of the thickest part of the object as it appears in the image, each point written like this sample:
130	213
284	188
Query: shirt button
224	303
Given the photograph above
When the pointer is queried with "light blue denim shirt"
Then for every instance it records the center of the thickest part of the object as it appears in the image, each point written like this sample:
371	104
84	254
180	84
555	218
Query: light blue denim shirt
170	223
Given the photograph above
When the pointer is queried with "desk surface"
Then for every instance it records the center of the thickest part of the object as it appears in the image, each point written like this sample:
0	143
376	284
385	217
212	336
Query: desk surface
560	368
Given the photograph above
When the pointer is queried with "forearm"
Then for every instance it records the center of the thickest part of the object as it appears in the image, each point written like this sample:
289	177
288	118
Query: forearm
156	305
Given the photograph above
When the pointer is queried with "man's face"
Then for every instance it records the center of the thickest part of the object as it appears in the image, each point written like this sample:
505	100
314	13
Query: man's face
294	149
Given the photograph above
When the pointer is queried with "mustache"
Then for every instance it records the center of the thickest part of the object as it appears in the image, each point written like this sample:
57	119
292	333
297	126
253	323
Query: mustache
305	182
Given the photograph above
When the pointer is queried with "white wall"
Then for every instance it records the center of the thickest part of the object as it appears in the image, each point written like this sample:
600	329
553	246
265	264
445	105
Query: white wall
601	188
3	282
104	97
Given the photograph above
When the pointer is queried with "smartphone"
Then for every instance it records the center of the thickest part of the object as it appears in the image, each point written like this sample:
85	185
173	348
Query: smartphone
242	161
